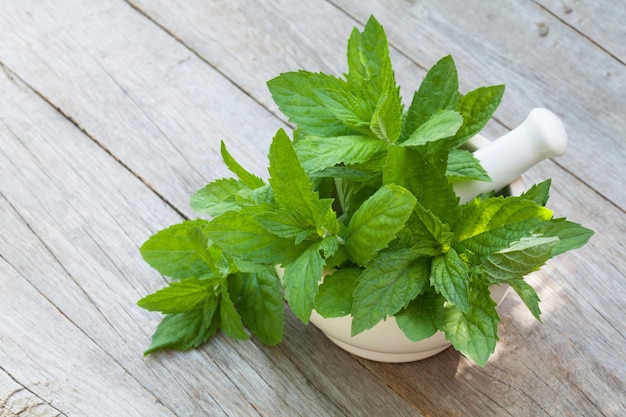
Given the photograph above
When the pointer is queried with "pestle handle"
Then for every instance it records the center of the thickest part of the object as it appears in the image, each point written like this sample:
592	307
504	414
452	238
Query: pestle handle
542	135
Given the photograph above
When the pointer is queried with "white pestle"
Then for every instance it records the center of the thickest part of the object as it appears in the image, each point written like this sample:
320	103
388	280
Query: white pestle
542	135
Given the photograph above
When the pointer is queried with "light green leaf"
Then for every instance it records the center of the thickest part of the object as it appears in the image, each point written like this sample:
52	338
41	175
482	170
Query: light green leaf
217	197
180	296
422	317
386	122
301	281
294	93
377	222
477	107
490	225
293	190
387	286
246	178
462	165
174	251
428	232
242	235
438	91
321	153
441	125
474	333
334	298
449	276
571	235
352	110
528	295
261	306
286	224
518	260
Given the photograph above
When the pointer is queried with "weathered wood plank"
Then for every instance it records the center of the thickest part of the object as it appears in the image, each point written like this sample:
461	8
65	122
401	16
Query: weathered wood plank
602	22
560	70
82	216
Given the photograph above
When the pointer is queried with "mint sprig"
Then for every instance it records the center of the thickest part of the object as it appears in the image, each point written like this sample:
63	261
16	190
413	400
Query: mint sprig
366	187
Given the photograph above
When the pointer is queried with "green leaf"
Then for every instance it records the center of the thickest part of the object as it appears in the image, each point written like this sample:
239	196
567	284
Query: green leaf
387	286
319	153
293	191
230	319
301	281
477	107
571	235
377	222
351	109
421	318
538	193
185	330
463	166
428	232
217	197
441	125
334	298
286	224
386	122
449	276
174	251
438	91
518	260
490	225
475	332
424	176
528	295
242	235
294	93
246	178
180	296
261	306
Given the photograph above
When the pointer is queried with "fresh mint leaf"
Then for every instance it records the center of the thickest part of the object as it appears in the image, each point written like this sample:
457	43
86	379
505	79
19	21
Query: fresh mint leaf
386	122
528	295
386	286
490	225
301	281
352	110
230	320
217	197
538	193
438	91
424	176
519	259
428	232
422	317
378	221
293	190
242	235
286	224
246	178
295	95
477	108
571	235
261	306
334	298
449	275
179	296
174	251
462	165
441	125
319	153
185	330
475	332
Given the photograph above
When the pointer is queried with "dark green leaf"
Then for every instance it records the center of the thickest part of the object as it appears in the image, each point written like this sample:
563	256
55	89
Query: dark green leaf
334	298
230	320
528	295
301	281
518	260
538	193
261	306
571	235
450	277
477	107
463	166
419	319
321	153
387	286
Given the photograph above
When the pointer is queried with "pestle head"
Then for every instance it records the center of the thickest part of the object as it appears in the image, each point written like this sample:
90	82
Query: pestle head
548	131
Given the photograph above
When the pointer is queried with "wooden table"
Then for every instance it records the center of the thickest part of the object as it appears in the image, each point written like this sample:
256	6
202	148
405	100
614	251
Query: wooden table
111	113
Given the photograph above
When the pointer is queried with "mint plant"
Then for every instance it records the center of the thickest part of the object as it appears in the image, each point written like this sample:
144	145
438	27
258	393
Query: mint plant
365	187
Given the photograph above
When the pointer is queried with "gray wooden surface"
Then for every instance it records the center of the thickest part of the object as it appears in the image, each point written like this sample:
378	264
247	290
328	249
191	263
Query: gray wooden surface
111	113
